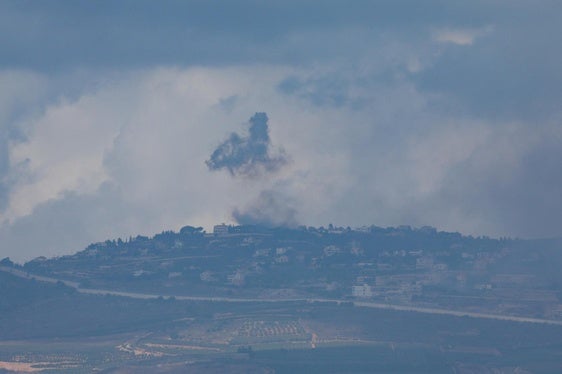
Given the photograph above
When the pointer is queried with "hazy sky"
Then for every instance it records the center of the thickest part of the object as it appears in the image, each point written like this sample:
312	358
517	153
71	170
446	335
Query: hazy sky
120	118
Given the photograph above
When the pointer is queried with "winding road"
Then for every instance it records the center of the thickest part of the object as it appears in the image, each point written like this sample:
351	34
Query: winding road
364	304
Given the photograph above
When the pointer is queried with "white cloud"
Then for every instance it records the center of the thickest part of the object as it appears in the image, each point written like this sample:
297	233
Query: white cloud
148	135
63	152
460	36
129	157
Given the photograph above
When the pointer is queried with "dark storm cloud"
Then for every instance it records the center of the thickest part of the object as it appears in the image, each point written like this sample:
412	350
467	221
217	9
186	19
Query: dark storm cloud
498	75
250	155
64	34
270	209
512	72
328	90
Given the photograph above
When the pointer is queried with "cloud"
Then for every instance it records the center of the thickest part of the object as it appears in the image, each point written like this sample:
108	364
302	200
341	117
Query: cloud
391	115
139	34
71	222
19	90
460	36
508	75
63	151
147	135
507	181
248	156
327	90
129	158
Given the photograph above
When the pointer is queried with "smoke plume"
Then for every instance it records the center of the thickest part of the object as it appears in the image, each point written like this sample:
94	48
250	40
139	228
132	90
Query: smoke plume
248	156
270	209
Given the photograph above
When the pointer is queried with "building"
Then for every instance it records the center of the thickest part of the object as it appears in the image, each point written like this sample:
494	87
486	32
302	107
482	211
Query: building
425	262
361	291
237	278
221	229
331	250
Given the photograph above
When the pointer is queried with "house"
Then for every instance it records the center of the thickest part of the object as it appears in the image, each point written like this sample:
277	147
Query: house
221	229
331	250
237	278
361	291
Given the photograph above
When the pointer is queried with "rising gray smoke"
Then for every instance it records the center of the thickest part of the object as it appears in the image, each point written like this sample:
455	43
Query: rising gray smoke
270	209
248	156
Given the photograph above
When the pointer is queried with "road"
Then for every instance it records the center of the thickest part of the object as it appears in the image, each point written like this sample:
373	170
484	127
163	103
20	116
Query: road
364	304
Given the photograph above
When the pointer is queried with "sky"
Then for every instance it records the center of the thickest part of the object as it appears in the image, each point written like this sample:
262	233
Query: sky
120	118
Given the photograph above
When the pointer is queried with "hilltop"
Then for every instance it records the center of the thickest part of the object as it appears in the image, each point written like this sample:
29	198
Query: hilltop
402	265
262	299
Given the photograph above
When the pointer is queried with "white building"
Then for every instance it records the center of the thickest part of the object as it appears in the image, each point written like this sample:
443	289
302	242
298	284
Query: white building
331	250
237	278
361	291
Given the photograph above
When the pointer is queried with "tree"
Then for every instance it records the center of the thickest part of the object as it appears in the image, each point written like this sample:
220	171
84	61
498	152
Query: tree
7	262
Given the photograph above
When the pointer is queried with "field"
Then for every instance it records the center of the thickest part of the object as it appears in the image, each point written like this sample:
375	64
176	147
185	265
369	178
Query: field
297	338
52	328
